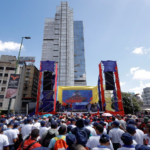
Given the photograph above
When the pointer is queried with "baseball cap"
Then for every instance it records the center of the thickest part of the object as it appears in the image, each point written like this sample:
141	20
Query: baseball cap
126	137
42	123
72	119
102	123
142	147
54	124
105	136
131	122
130	128
29	119
70	139
116	123
95	124
86	121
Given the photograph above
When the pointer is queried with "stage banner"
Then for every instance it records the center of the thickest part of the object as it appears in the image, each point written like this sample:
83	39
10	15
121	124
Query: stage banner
47	66
12	88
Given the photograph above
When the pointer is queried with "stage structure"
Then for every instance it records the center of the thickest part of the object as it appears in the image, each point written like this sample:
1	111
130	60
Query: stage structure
47	88
109	91
79	96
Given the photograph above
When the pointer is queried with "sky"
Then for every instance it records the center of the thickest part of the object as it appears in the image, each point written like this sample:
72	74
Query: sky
113	30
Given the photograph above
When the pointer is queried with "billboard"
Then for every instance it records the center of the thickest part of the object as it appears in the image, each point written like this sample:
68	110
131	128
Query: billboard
12	88
26	59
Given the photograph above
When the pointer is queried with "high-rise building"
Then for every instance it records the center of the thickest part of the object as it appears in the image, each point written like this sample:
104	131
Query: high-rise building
146	96
59	46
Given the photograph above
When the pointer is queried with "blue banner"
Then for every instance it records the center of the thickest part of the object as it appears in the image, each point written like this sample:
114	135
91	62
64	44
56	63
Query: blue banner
47	66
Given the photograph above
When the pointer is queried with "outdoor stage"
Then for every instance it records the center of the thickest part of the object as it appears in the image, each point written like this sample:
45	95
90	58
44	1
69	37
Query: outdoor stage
75	113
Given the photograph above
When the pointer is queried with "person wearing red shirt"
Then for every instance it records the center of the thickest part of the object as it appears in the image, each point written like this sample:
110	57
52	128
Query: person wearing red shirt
30	143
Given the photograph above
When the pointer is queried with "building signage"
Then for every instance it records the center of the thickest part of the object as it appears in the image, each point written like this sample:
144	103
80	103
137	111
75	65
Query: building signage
26	59
12	88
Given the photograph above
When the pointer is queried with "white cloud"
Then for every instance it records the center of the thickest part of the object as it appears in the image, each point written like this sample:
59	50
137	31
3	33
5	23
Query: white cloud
122	83
9	46
138	50
141	50
141	75
132	70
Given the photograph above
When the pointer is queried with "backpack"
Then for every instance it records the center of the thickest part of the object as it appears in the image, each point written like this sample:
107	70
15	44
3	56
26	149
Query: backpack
29	146
81	136
47	139
60	143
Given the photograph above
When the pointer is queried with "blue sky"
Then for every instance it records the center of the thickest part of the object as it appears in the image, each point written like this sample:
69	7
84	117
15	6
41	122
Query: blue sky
114	30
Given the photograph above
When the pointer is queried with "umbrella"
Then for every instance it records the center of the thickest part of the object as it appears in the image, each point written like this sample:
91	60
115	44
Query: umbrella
47	115
106	115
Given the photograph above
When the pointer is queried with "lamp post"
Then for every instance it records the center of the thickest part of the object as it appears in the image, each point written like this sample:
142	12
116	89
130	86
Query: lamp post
16	70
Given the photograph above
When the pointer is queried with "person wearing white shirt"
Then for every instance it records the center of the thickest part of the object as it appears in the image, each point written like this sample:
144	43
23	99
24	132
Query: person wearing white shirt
104	125
127	140
4	144
43	128
73	122
36	125
115	135
3	120
138	136
27	128
16	125
104	143
11	134
93	141
87	126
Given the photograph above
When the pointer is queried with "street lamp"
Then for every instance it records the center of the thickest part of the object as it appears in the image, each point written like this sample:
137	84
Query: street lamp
16	69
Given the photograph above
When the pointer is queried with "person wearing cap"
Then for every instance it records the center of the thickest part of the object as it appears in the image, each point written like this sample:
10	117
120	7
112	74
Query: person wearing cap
128	141
115	134
93	141
146	136
63	122
43	128
87	126
138	136
62	131
52	131
143	124
36	125
4	144
131	130
73	122
31	142
71	141
3	121
142	147
12	135
104	125
27	128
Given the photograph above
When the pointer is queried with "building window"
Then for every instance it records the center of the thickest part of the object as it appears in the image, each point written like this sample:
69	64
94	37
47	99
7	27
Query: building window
1	68
3	89
6	75
4	82
1	96
9	68
1	74
1	104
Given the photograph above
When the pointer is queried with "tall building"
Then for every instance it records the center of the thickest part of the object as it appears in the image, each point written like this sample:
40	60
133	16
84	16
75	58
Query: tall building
8	65
30	87
58	46
146	96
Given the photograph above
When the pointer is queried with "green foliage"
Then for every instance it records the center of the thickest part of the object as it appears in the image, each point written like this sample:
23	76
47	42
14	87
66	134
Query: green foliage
127	104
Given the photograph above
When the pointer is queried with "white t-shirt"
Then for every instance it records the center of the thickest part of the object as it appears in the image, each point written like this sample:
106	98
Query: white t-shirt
126	148
4	127
16	130
106	124
139	136
101	148
134	143
93	141
11	134
26	130
37	125
92	130
3	141
115	135
105	131
42	130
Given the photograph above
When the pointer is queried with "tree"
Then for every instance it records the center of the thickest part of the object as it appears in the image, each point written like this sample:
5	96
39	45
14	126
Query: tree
127	104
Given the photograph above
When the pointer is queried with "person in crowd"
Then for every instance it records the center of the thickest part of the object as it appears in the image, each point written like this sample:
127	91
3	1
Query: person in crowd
62	131
82	134
12	135
87	126
127	140
104	143
71	141
49	134
3	121
142	147
27	128
4	144
138	136
104	125
122	122
93	141
115	134
43	128
30	143
146	137
73	122
36	125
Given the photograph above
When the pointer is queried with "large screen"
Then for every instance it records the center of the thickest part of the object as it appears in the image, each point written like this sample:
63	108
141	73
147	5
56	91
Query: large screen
76	97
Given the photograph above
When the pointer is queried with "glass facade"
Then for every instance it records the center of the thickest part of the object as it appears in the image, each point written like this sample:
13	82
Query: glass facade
79	56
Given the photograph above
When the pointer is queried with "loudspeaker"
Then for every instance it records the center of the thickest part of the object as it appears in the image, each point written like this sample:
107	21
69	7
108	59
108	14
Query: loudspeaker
109	81
47	81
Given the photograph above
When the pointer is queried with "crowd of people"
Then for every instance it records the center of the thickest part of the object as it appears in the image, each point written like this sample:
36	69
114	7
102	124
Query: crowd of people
75	132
